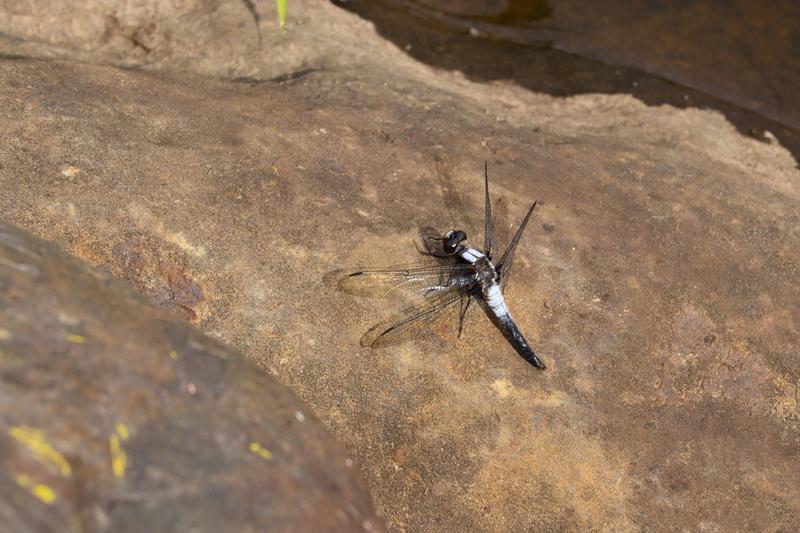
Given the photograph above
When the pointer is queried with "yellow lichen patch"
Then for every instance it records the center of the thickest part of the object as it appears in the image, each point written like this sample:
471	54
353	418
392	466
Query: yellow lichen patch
39	490
4	334
34	440
173	355
76	339
122	431
119	459
259	450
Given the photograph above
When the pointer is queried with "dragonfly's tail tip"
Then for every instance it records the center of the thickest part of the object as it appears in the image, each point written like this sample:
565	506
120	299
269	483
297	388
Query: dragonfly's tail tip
531	356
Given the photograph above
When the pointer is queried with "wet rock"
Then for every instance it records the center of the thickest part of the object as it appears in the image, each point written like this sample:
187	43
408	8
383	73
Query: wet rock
742	51
736	57
115	417
659	227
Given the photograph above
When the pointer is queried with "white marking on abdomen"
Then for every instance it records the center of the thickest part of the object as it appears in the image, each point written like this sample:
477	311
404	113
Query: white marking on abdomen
471	255
494	297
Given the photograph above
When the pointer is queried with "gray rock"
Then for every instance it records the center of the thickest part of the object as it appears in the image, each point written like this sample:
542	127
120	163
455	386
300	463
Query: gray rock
115	417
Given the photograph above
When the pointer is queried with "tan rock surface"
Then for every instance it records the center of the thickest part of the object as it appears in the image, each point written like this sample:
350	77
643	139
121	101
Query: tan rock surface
657	281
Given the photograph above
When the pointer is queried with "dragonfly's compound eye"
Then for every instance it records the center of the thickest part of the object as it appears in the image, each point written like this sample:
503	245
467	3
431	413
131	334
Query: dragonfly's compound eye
452	240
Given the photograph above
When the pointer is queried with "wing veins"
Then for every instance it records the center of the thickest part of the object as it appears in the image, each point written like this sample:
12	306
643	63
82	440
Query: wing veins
392	330
488	232
505	261
413	281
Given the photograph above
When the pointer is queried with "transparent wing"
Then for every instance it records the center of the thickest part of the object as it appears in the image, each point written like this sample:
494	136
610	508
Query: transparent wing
505	272
489	244
504	264
411	282
417	320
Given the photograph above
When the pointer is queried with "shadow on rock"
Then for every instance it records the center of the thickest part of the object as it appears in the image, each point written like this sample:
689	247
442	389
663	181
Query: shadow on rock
747	77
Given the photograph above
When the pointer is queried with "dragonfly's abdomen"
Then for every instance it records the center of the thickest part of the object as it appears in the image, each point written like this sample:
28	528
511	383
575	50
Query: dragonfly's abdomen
494	299
493	295
486	276
514	336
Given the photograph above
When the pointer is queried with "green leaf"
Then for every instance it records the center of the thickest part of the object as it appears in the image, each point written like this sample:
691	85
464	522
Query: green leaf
282	11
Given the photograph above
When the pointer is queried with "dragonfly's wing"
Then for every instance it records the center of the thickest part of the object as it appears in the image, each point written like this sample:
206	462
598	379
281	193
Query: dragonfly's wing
504	264
416	320
488	230
505	272
412	282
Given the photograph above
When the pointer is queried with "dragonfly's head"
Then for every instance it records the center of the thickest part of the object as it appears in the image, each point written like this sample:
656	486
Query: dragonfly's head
452	240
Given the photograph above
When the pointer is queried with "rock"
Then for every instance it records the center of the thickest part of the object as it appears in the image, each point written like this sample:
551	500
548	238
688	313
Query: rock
657	280
746	70
234	39
749	54
114	416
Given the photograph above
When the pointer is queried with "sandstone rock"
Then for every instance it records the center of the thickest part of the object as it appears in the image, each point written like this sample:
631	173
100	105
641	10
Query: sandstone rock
658	281
219	38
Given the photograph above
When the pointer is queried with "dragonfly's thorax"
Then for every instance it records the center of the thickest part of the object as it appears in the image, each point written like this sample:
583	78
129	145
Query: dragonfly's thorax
486	273
489	281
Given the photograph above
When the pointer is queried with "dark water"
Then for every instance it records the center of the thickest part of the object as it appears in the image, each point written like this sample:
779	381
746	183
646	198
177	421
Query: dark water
739	57
510	13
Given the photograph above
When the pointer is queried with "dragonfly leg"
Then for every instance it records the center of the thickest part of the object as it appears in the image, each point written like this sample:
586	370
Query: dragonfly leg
429	249
464	308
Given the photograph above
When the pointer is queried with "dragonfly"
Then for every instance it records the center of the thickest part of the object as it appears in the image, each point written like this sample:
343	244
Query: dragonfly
455	276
